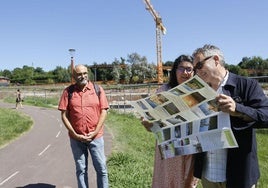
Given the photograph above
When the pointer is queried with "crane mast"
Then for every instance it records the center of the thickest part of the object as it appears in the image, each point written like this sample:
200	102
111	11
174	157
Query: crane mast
160	29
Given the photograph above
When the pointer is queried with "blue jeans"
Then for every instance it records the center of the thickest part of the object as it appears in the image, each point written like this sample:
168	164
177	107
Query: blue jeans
80	154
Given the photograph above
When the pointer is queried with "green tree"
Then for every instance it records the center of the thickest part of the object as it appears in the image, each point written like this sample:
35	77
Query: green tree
236	70
61	74
256	65
39	71
121	71
117	71
168	63
17	76
6	73
244	63
140	68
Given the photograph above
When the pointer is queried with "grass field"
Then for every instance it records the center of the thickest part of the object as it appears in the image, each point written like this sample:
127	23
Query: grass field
131	162
12	125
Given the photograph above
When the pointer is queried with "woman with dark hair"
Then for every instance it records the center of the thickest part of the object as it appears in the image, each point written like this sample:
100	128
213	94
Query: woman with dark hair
181	71
176	172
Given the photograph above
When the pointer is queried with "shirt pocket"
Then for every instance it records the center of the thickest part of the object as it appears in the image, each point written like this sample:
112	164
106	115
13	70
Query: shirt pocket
90	99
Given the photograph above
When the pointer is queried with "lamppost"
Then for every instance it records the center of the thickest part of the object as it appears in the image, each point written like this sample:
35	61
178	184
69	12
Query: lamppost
72	52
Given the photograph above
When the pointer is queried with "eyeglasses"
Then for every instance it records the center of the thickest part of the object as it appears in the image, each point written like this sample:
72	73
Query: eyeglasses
183	69
200	64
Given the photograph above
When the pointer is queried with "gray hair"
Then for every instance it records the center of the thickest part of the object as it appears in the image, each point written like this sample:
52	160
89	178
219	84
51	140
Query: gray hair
210	50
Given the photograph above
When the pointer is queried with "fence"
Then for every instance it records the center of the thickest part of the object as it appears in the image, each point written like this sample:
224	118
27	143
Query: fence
118	95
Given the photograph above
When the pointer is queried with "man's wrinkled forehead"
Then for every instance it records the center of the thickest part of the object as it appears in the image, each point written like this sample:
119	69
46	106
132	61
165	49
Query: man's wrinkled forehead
80	69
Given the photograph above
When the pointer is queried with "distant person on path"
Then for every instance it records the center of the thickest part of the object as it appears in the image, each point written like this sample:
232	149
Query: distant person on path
176	172
83	114
18	99
244	100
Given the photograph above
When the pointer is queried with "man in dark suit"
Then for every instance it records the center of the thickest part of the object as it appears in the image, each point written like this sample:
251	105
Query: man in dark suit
244	100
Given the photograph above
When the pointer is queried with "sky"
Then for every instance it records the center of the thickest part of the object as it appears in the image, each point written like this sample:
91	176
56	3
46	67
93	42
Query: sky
39	33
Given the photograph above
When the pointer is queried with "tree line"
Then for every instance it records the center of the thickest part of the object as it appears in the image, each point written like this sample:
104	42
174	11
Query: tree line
133	69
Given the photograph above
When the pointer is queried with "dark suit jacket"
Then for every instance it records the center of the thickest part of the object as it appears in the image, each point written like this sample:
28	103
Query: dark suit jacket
242	162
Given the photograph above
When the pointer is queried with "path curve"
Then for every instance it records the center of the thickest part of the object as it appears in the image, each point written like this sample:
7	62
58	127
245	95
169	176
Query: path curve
42	158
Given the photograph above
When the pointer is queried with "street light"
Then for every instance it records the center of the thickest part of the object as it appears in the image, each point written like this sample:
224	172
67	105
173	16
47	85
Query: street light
72	52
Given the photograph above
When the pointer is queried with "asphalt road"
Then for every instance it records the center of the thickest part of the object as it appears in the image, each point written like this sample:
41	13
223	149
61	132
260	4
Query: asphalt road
42	158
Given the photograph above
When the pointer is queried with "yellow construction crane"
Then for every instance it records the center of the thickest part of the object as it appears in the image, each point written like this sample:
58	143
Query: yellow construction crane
159	28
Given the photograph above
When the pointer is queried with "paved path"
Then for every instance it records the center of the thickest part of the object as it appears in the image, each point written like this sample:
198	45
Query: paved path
41	158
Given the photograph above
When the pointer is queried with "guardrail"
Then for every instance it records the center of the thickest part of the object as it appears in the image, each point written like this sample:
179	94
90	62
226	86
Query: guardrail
118	95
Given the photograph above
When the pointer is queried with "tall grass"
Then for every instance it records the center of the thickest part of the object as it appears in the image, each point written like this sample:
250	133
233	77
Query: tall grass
131	162
36	101
262	138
